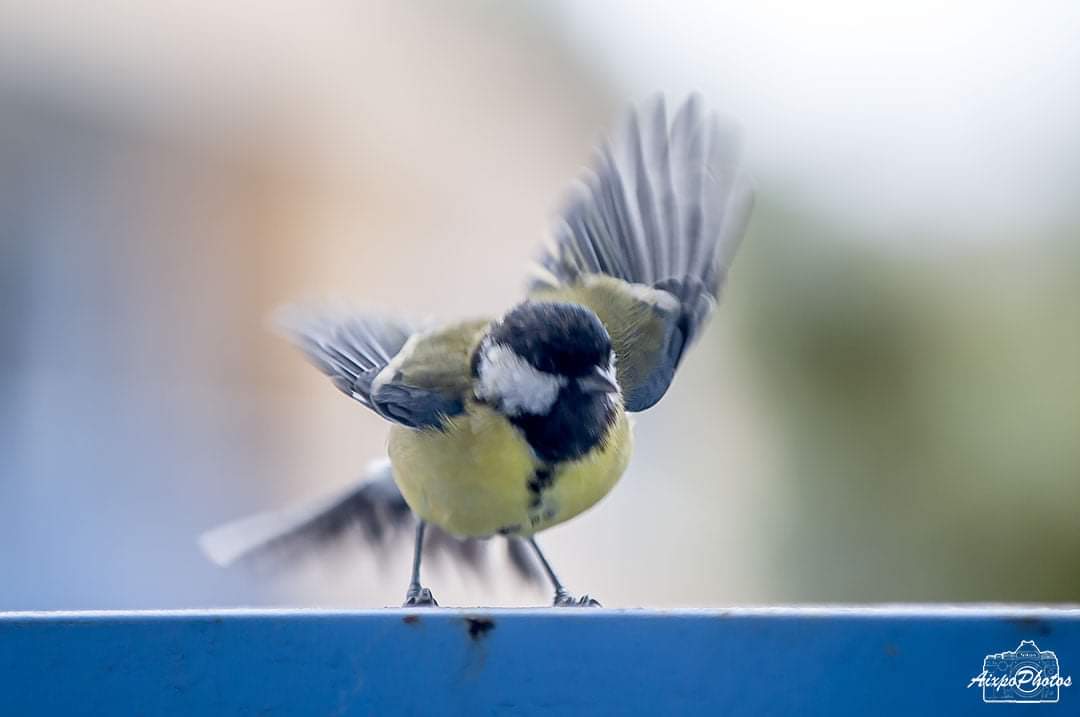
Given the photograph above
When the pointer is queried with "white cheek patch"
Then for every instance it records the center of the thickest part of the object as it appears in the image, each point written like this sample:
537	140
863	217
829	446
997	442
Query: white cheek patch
513	383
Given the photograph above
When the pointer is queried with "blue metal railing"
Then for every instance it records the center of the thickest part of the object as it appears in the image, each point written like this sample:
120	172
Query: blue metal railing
760	661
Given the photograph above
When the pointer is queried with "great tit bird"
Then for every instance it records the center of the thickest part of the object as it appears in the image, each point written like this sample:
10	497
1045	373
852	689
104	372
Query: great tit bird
509	426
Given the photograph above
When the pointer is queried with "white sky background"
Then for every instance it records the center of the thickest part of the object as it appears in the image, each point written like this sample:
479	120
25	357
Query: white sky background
945	120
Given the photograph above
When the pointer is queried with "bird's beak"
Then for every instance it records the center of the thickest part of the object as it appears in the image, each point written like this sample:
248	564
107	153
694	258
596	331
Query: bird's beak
599	381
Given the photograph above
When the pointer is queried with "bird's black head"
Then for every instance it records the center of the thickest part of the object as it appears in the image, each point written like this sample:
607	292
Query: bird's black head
559	339
550	369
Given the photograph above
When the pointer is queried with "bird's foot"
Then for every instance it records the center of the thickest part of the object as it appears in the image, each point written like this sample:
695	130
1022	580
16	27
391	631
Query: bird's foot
419	597
565	599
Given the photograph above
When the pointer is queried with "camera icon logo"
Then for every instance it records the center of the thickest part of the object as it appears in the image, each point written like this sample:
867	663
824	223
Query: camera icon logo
1026	674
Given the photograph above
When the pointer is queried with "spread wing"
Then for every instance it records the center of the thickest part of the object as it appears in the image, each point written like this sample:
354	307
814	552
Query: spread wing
405	374
647	239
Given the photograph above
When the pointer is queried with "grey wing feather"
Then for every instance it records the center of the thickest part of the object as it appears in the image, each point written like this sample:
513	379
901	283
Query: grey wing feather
665	205
416	407
661	203
372	509
352	349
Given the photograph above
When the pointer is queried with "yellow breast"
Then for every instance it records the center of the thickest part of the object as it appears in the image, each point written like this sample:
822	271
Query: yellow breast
473	479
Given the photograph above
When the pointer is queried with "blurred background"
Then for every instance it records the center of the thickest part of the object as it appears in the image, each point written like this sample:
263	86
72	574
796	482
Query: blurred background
887	407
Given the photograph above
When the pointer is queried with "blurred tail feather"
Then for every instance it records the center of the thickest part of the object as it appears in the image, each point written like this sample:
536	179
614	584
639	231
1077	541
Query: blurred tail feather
372	509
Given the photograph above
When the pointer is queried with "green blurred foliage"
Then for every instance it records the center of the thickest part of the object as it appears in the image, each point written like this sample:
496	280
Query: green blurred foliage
929	398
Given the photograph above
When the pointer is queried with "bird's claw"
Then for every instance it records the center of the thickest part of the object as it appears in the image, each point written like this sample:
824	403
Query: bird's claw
420	597
564	599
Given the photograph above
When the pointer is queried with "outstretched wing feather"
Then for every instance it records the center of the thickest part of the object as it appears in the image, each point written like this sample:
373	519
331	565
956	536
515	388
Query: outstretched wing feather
662	211
355	349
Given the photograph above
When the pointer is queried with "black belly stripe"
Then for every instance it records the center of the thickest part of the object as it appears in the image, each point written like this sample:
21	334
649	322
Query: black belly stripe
541	479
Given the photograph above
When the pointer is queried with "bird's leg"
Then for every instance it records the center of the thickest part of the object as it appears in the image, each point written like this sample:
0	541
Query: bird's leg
418	596
562	598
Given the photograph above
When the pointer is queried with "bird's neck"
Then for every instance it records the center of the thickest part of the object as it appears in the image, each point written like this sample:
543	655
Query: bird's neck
576	424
